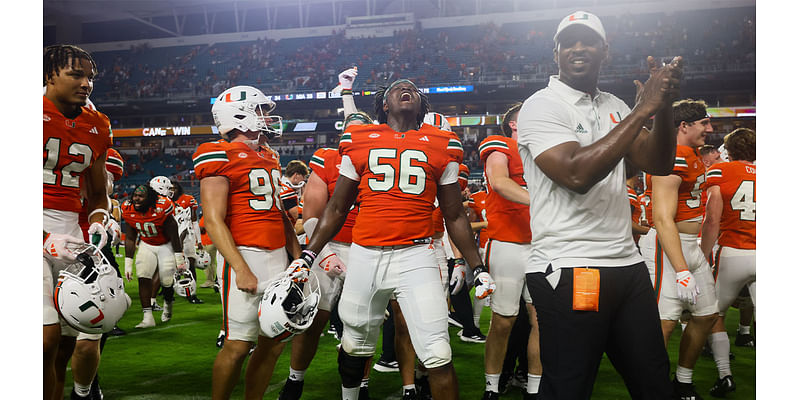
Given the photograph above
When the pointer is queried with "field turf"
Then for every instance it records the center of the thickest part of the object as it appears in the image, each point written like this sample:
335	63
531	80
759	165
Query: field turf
173	361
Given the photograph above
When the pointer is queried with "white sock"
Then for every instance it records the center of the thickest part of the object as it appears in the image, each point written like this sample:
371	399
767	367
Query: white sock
492	382
152	301
533	383
721	347
82	390
683	375
409	387
350	393
683	326
296	375
744	330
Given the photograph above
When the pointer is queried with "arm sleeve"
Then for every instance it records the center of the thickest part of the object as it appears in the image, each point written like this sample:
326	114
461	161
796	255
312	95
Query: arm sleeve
450	174
347	169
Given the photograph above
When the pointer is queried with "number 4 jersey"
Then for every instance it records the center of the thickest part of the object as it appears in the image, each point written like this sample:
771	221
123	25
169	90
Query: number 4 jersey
70	147
150	224
398	175
254	214
737	184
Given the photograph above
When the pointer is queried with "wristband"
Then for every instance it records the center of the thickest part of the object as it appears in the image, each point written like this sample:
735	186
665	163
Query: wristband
459	261
478	269
309	256
347	91
99	210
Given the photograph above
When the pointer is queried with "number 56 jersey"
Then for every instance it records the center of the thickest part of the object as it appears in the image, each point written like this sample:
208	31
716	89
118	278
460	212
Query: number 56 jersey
398	175
254	185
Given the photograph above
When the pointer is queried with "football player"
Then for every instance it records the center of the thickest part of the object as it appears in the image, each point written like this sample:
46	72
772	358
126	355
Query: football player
208	246
396	169
509	234
149	217
671	249
240	195
639	229
188	228
731	219
325	163
75	139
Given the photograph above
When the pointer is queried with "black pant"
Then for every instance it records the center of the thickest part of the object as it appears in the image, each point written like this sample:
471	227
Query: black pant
388	354
518	342
626	327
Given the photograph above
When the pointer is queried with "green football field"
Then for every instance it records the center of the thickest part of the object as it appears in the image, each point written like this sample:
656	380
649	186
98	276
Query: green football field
173	361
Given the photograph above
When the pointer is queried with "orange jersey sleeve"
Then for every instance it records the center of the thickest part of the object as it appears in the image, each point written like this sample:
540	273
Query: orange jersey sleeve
254	205
399	174
737	184
70	147
477	201
115	164
149	224
690	168
186	201
325	163
636	214
508	221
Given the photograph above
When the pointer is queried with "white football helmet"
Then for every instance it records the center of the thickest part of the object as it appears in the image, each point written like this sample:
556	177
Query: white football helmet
185	285
203	259
162	186
246	108
89	295
288	308
437	120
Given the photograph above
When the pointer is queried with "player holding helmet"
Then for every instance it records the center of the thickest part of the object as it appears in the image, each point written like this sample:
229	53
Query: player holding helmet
240	195
149	217
188	229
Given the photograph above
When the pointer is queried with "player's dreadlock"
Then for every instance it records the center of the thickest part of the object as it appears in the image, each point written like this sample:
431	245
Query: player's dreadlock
59	56
381	115
150	197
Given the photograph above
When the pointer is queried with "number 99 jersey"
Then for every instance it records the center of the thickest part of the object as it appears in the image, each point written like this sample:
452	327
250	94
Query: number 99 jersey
149	224
398	174
254	178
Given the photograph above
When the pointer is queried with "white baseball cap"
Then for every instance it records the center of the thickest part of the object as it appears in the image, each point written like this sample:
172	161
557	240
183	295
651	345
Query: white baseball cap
581	18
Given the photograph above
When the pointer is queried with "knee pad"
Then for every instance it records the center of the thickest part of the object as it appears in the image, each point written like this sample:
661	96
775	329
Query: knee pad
169	294
351	369
439	355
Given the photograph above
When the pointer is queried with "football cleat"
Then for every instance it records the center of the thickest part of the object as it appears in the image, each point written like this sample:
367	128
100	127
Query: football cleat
166	315
723	386
386	366
487	395
291	390
745	340
684	391
505	382
147	321
409	394
117	331
363	393
476	337
423	388
221	339
195	300
452	321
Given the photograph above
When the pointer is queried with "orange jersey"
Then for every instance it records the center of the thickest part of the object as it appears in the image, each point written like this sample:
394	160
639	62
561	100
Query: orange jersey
438	220
398	178
254	215
186	201
477	202
325	163
691	197
737	184
204	239
647	195
150	225
636	214
508	221
70	148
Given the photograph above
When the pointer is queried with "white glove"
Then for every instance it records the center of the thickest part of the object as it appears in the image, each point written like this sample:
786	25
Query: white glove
347	77
98	229
299	269
55	245
128	268
330	263
180	261
458	277
112	226
687	287
484	284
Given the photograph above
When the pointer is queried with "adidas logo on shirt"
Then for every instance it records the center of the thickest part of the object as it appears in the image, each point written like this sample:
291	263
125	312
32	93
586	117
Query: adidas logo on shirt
424	139
93	130
580	129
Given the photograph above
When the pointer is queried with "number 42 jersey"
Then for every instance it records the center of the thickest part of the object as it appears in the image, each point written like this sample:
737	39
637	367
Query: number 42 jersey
254	214
398	175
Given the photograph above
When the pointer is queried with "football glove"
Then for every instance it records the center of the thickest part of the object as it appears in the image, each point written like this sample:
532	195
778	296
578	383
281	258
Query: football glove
180	261
330	263
113	228
347	77
484	284
687	287
459	276
97	234
55	245
299	269
128	268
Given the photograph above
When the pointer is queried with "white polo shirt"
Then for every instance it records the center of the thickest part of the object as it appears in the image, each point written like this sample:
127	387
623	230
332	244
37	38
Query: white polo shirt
570	229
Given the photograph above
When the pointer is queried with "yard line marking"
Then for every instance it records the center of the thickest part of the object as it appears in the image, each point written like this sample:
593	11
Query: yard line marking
137	332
